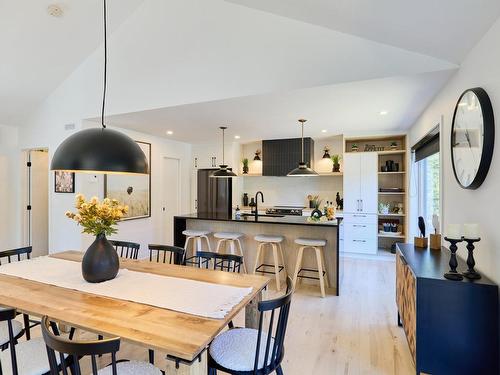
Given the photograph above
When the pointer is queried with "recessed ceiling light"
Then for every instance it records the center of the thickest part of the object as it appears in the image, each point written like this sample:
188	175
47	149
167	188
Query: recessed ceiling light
383	113
170	132
55	10
237	137
323	131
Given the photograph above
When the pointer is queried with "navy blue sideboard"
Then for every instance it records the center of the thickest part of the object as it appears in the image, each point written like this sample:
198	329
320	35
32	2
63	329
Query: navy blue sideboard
451	326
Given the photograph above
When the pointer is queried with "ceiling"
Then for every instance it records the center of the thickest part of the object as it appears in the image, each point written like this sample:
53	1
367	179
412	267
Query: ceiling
446	29
39	51
338	109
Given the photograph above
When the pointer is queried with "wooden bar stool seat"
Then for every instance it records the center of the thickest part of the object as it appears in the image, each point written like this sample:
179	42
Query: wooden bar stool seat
196	236
233	240
318	246
274	241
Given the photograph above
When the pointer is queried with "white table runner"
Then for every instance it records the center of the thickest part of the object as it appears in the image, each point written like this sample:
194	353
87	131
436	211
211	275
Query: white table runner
182	295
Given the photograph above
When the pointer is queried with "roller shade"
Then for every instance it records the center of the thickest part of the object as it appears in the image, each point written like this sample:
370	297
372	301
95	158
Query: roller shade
427	146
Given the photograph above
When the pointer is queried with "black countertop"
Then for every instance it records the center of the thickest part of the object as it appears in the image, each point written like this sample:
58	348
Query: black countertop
287	220
433	264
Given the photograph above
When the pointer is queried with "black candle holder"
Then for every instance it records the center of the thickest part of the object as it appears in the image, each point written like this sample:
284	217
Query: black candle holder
471	273
453	274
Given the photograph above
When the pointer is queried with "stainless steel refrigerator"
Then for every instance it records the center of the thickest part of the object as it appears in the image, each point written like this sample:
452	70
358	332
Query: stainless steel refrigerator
215	195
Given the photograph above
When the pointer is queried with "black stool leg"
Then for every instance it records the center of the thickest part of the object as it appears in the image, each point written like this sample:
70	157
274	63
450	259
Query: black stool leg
27	328
151	353
279	370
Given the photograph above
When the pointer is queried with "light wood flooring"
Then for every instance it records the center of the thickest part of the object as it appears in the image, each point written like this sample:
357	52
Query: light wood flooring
354	334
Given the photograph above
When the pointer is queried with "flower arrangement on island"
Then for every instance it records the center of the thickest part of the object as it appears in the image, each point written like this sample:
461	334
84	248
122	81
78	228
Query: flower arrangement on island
97	217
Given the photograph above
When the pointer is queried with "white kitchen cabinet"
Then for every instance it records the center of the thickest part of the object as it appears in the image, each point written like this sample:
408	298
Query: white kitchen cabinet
207	156
360	182
360	202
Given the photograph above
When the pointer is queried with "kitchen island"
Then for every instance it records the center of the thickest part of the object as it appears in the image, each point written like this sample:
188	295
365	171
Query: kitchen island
290	227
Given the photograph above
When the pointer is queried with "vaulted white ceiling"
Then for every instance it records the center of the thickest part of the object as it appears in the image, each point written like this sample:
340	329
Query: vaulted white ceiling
446	29
339	109
189	65
38	51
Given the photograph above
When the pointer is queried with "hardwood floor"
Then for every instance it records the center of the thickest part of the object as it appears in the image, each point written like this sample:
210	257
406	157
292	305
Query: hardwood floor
353	334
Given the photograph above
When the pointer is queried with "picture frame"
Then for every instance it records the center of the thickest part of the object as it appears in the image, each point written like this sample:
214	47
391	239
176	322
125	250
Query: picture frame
132	190
64	182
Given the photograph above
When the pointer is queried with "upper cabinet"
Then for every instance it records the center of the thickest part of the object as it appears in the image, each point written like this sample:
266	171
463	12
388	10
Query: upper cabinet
280	156
360	182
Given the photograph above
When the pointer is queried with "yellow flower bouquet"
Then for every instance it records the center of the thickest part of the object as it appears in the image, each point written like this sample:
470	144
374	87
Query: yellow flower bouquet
97	217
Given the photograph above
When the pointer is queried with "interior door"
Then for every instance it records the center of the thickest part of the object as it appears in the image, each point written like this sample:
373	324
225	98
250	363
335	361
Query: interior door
39	201
171	197
369	182
352	163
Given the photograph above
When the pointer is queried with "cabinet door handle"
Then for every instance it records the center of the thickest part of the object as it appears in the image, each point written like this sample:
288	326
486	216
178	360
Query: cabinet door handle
359	215
358	205
359	226
361	205
358	240
196	162
403	260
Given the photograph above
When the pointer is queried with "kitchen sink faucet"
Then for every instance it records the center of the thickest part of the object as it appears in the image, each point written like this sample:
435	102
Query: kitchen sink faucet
257	203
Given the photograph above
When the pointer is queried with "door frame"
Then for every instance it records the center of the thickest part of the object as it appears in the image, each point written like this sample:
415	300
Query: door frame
163	184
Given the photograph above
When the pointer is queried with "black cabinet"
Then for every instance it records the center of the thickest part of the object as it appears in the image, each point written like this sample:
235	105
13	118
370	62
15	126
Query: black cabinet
451	326
280	156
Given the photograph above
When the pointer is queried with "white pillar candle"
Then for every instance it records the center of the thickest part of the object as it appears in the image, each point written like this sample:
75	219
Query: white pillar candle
453	231
471	231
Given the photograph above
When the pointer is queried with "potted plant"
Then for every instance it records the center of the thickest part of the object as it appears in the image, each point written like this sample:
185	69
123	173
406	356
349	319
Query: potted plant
245	166
354	147
336	163
394	145
100	262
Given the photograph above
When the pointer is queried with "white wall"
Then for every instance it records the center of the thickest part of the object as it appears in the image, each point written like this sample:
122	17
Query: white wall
10	219
480	68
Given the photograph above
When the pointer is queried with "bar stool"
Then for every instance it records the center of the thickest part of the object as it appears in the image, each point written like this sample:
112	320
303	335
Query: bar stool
233	239
275	243
196	236
318	246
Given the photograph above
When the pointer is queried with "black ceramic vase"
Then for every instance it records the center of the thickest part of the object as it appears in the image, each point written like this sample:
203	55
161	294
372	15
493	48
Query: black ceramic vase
100	262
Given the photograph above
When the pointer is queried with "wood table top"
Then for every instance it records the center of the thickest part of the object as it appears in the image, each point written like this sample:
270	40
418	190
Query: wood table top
175	333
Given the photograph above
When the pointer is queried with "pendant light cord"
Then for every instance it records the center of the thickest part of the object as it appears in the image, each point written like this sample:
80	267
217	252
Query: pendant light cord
223	148
302	157
105	66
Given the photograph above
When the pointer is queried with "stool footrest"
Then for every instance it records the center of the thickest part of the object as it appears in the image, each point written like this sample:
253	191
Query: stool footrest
258	269
309	270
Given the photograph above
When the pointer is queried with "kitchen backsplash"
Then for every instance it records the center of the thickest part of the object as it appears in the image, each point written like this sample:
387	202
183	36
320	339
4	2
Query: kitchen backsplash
292	190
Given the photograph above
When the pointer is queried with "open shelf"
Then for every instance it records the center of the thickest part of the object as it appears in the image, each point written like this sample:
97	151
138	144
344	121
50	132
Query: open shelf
393	215
391	193
400	172
389	235
391	152
331	174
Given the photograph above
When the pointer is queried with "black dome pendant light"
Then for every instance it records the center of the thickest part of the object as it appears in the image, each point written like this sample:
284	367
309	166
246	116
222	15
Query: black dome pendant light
224	171
302	170
100	150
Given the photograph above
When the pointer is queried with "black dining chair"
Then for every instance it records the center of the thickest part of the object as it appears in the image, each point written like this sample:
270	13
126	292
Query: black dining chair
246	351
27	357
221	262
57	347
9	256
129	250
166	254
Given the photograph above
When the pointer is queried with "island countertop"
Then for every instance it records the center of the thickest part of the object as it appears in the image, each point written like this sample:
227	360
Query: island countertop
288	220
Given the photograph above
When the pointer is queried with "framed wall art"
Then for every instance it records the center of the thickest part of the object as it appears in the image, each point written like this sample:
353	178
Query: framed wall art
132	190
64	182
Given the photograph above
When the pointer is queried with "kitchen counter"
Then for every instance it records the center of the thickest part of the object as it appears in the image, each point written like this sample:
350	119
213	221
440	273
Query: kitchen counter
290	220
290	227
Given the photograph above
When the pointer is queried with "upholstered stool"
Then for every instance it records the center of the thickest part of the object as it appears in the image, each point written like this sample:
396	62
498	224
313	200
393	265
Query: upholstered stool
318	246
233	239
275	243
196	236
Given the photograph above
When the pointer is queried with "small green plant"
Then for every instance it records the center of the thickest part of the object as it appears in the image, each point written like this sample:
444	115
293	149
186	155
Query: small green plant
336	159
245	165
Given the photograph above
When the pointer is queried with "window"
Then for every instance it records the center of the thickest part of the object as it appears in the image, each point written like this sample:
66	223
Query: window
428	188
426	180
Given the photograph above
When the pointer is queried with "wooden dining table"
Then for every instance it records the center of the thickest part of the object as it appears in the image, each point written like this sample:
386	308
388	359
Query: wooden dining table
182	337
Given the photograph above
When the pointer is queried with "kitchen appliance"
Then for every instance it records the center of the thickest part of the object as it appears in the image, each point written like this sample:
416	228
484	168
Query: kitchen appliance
285	210
214	195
